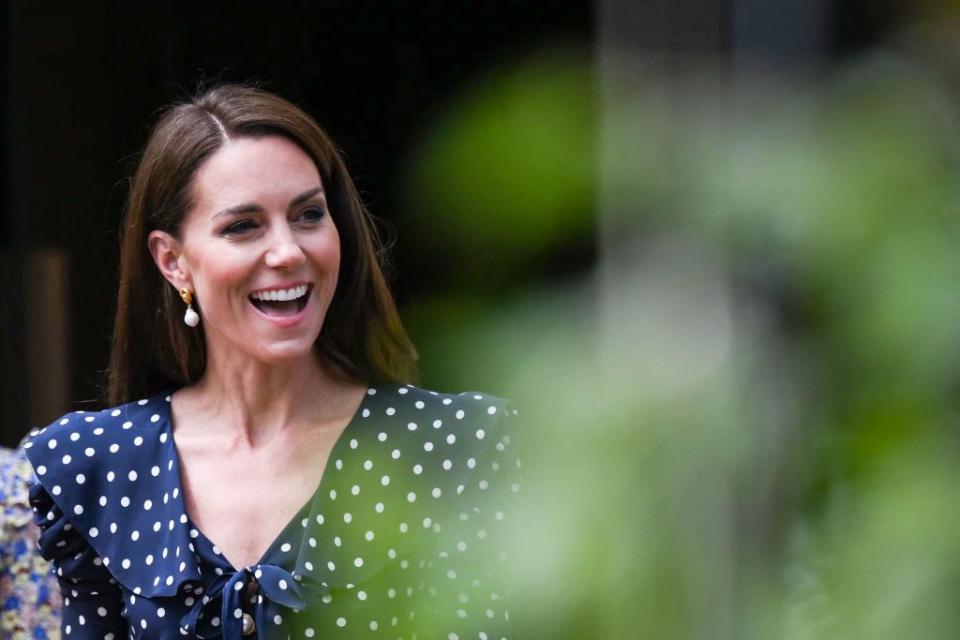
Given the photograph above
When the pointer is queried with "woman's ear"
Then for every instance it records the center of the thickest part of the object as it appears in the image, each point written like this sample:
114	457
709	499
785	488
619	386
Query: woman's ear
165	250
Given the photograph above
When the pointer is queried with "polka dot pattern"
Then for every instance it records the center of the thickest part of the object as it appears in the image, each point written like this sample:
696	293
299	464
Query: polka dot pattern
402	537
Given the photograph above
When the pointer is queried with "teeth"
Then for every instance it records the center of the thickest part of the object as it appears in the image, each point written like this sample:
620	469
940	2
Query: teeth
281	295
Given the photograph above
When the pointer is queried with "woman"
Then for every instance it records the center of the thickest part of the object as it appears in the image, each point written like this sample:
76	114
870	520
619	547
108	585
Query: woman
268	471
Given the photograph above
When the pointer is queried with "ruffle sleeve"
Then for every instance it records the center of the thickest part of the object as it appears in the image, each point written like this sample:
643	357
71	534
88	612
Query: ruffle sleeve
91	598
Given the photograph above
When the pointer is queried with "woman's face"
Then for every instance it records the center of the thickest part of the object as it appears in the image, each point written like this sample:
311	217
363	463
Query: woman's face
260	250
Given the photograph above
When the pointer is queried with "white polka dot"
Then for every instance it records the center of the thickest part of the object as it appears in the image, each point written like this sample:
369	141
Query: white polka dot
102	612
285	547
149	559
451	438
361	595
94	532
341	622
395	454
447	465
378	507
367	465
125	563
355	490
98	431
282	584
56	490
385	480
81	478
390	411
419	404
155	471
428	446
480	434
124	501
103	501
417	469
308	632
78	509
114	448
132	476
412	426
373	625
138	441
127	424
319	518
147	505
358	562
353	443
52	443
436	492
347	517
89	452
66	459
161	612
459	415
368	535
277	619
41	470
411	497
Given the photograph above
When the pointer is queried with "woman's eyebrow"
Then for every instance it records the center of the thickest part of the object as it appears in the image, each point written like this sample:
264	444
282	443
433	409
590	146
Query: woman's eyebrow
253	207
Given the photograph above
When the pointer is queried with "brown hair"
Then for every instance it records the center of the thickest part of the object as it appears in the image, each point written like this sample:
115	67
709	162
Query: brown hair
152	348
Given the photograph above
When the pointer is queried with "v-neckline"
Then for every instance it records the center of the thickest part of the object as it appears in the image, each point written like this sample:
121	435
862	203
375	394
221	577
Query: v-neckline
167	428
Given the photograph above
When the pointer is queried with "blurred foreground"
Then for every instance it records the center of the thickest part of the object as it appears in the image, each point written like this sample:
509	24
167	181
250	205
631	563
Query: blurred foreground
741	422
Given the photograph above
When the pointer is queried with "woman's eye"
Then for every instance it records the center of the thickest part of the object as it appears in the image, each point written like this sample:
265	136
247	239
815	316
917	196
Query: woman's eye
314	214
240	226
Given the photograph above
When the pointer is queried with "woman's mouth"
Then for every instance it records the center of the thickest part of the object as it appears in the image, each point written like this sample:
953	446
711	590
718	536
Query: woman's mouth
281	303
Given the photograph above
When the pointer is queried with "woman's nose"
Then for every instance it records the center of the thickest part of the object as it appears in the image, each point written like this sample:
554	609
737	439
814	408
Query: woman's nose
284	251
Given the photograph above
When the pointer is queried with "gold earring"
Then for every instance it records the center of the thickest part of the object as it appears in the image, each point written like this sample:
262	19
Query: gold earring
191	318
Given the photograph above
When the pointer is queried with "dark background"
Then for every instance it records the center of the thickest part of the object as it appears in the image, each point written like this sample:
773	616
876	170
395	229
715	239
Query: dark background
82	82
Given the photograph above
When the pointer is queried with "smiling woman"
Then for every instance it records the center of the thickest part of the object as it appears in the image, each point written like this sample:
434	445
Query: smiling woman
268	470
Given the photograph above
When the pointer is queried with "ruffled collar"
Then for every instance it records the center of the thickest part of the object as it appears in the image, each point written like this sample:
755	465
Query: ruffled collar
115	474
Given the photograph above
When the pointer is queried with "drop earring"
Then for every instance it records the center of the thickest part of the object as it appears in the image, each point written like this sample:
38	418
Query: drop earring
191	318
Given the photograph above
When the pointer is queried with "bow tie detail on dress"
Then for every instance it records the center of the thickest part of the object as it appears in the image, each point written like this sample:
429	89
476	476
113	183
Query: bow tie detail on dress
225	609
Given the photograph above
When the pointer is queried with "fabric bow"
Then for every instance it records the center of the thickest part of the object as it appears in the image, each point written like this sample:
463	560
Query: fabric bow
221	608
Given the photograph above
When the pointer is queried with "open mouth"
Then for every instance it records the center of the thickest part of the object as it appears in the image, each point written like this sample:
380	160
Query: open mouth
280	303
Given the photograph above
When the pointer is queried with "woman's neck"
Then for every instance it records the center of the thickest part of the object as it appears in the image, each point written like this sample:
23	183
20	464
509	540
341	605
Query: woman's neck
254	401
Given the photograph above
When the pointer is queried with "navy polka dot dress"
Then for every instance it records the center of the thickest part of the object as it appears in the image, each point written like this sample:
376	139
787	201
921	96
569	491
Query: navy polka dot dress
402	538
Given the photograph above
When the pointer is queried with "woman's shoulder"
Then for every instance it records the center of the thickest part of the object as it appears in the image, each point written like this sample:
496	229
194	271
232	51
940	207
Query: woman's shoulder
454	426
80	440
412	400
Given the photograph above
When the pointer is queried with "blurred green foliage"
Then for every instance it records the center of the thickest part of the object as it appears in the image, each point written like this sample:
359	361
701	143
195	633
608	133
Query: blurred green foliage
742	423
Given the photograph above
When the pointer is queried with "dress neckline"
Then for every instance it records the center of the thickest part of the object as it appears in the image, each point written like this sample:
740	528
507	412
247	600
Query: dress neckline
167	428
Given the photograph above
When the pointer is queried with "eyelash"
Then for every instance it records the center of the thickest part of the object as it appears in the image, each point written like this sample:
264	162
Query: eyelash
243	226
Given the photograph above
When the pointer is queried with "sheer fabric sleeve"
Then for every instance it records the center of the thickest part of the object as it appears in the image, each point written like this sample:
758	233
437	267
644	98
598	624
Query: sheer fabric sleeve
92	602
469	569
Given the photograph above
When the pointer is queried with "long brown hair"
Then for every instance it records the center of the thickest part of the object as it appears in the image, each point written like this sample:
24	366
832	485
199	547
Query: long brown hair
152	349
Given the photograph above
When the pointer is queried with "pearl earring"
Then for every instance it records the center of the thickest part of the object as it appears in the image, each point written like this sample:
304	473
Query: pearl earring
191	318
